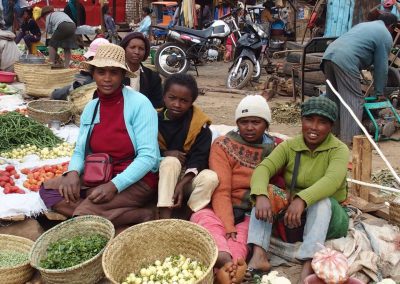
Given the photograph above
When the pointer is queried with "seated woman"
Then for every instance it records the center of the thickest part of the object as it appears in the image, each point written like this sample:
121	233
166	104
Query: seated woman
123	124
30	31
145	23
233	157
320	186
148	82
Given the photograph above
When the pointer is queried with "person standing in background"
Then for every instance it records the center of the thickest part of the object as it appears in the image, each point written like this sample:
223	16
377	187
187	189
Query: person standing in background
76	11
110	24
364	45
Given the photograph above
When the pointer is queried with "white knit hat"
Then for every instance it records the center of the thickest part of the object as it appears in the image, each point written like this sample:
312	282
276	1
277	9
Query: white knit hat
253	105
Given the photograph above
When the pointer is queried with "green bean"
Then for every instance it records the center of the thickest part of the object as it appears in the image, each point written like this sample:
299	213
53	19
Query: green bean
17	130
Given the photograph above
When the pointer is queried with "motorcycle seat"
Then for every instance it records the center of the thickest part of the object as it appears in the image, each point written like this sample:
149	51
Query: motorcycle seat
200	33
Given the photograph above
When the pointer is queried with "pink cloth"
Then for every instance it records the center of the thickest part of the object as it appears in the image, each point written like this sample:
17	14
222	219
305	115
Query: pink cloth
237	249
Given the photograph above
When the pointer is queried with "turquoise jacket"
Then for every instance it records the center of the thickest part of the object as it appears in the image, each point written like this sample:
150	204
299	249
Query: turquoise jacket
142	125
363	45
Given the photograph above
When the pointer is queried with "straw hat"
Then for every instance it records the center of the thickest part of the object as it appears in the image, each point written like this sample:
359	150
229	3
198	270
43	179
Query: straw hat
46	10
108	55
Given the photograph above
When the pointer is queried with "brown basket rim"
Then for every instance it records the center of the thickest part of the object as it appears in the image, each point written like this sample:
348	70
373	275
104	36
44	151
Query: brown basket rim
154	224
21	239
65	224
67	103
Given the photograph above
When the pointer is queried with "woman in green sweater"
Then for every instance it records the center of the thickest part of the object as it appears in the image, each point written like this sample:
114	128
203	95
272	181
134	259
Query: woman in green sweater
317	192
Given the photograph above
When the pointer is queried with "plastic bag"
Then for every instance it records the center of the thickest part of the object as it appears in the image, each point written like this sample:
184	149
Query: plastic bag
330	265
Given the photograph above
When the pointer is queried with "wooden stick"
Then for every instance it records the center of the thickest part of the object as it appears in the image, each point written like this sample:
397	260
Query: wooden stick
206	89
362	164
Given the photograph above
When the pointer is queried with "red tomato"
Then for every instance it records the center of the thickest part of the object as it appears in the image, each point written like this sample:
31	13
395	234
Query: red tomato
16	176
10	168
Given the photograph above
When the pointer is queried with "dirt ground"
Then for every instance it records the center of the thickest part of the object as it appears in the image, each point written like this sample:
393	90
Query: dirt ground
221	108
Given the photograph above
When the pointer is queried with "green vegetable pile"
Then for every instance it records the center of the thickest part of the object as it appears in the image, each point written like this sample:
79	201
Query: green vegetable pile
10	258
17	129
70	252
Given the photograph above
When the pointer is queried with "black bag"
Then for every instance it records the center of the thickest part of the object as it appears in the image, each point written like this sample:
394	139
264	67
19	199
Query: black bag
291	235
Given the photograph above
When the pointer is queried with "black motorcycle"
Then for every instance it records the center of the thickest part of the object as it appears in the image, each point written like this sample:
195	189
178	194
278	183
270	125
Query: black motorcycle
187	46
246	64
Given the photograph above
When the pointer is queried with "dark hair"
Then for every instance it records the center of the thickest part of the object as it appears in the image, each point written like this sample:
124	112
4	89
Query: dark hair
185	80
388	18
29	12
147	10
125	41
105	9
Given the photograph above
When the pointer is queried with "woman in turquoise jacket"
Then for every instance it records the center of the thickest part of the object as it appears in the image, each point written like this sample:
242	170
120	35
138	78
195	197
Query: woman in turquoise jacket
123	124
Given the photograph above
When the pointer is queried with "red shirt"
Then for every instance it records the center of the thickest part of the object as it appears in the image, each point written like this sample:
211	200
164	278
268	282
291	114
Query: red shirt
111	135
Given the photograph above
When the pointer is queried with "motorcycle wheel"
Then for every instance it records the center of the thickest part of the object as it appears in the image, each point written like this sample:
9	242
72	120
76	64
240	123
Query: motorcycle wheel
170	59
243	76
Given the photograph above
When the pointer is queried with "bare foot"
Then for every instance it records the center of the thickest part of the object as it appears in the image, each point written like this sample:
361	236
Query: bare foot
240	271
259	260
307	270
225	274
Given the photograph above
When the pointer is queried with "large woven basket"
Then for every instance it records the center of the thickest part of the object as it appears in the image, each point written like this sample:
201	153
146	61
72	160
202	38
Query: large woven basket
46	110
141	245
81	96
87	272
20	273
41	84
21	69
394	211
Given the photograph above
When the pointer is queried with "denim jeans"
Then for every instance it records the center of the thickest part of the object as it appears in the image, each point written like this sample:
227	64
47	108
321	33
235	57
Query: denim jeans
315	230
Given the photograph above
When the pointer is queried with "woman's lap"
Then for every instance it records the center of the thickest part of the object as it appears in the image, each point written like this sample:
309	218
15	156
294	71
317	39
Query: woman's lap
136	196
237	249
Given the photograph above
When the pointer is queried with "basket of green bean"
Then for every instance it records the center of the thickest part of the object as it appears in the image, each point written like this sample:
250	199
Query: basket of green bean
71	251
14	261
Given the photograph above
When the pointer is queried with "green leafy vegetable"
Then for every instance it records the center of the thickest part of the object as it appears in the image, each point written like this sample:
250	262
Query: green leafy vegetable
69	252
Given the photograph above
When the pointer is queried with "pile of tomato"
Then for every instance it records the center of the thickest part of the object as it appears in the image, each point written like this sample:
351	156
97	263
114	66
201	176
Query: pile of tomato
36	176
7	180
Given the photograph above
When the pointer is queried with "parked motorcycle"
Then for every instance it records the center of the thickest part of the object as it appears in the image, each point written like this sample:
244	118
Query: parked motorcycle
187	46
246	64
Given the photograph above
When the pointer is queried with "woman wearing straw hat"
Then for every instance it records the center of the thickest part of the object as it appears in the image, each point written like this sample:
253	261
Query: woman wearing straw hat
148	82
123	124
63	30
319	185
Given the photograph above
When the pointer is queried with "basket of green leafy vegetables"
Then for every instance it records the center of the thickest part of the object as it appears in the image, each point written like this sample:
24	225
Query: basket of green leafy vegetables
71	251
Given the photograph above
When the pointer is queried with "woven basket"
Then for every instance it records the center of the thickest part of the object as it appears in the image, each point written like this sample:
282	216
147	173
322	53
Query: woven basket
141	245
20	273
46	110
89	271
41	84
394	211
21	69
81	96
77	119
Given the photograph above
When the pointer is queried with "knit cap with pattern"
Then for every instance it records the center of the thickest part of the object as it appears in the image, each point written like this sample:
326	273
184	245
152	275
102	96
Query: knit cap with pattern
253	105
321	106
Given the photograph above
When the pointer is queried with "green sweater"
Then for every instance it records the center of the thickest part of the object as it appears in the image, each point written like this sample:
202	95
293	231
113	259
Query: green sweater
322	173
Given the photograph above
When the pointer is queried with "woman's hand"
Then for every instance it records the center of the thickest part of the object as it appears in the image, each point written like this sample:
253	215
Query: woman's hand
292	218
264	209
103	193
70	187
181	156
